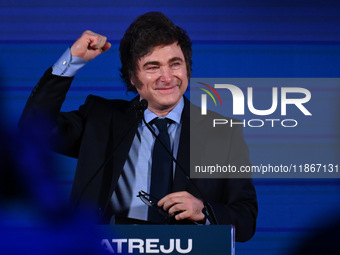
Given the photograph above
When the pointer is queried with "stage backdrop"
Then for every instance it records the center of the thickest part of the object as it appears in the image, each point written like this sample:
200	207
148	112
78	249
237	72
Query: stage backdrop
233	39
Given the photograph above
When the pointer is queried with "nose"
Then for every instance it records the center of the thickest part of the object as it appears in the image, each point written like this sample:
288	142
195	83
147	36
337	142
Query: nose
166	74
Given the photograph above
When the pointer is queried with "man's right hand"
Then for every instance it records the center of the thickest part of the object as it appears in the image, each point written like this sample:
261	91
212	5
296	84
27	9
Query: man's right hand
90	45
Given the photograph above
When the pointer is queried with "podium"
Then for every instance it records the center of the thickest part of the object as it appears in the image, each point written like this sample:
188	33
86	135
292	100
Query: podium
167	239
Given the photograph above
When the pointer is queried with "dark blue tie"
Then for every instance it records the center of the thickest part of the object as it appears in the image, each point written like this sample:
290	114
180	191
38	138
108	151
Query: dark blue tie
161	170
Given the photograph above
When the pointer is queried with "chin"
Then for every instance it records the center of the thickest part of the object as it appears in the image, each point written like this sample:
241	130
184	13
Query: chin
165	104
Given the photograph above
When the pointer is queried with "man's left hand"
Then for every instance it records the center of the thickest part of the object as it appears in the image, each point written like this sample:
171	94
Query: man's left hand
184	204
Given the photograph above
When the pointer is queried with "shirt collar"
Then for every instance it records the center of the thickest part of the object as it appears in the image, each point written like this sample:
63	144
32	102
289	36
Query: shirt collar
174	114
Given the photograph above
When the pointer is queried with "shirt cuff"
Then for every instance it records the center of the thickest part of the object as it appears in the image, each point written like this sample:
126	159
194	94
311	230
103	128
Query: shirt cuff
68	65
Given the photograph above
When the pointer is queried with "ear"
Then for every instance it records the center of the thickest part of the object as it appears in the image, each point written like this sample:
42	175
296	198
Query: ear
133	79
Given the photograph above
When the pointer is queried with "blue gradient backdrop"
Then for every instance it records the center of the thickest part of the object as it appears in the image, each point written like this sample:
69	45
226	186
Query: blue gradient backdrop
240	39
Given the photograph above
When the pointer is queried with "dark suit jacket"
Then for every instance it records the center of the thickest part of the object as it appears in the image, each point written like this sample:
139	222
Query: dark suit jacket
100	135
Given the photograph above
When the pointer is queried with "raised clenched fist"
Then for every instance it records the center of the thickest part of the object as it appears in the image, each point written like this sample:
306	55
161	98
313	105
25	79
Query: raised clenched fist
90	45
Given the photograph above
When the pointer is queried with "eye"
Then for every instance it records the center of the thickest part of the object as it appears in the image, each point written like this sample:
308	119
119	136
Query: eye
175	64
152	68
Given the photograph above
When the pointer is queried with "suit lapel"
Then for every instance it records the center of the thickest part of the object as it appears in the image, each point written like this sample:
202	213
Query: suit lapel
181	181
183	155
124	127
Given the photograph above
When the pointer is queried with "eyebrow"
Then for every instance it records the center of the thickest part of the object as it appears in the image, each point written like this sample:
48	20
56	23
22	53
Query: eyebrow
151	63
174	59
158	63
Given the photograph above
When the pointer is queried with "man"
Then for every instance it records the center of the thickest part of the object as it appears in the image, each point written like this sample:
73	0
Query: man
115	149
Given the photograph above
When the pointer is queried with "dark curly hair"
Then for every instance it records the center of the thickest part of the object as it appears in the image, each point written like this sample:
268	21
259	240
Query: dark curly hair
146	32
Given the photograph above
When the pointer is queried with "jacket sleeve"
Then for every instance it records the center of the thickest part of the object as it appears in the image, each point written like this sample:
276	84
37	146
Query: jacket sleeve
231	200
42	115
239	206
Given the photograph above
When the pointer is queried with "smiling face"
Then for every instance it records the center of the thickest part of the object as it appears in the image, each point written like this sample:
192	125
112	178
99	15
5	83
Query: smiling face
161	78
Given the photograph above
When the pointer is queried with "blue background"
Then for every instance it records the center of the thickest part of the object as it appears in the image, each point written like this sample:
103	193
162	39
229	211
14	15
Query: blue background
241	39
